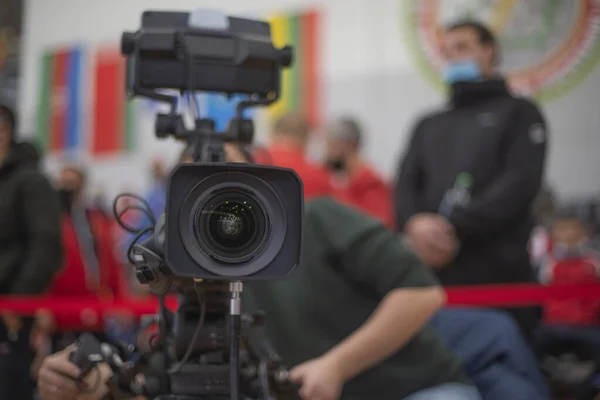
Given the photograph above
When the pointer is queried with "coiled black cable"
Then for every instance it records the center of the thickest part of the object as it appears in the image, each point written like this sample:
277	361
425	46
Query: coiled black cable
144	208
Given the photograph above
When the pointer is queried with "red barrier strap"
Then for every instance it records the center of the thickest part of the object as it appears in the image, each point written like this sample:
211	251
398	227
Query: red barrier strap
519	295
509	295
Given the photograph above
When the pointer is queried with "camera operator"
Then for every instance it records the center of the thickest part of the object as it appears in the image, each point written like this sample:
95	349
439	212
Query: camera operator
356	286
30	250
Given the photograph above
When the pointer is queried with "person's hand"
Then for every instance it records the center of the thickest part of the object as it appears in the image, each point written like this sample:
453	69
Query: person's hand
320	379
432	237
57	377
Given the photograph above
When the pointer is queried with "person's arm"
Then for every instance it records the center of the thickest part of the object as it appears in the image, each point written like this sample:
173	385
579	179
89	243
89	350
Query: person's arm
376	260
510	196
41	220
399	316
408	180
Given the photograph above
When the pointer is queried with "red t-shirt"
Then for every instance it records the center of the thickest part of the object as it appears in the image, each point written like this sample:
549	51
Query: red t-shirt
573	270
317	182
368	192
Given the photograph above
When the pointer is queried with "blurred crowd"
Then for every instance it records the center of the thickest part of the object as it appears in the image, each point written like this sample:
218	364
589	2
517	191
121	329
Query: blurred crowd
474	209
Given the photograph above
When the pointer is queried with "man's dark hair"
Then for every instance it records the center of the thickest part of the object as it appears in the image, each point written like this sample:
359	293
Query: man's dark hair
7	116
485	35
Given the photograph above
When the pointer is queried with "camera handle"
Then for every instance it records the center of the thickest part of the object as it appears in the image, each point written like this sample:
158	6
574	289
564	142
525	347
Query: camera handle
235	331
206	141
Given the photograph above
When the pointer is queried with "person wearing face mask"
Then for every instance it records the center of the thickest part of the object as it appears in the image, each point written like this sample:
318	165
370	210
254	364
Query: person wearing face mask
571	325
471	172
571	260
30	250
355	182
91	269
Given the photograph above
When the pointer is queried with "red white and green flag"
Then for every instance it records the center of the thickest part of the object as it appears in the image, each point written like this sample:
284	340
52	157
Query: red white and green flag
113	115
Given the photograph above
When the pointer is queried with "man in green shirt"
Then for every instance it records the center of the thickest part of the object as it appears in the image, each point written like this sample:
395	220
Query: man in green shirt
351	319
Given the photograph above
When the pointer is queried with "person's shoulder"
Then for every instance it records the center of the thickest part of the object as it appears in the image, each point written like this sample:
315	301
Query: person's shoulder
368	178
433	114
527	106
30	175
323	205
333	215
436	114
525	101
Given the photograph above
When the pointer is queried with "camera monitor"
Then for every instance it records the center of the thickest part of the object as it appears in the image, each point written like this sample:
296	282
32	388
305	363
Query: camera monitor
206	51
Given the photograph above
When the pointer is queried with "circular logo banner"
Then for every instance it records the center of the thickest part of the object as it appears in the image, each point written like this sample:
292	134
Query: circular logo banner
547	46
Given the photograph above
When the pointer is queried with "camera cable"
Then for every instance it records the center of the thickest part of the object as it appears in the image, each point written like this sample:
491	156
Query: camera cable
196	334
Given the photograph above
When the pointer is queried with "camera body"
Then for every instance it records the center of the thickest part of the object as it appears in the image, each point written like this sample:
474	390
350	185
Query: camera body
223	221
233	221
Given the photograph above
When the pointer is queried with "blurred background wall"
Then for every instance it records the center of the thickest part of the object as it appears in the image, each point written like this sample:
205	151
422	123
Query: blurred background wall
376	59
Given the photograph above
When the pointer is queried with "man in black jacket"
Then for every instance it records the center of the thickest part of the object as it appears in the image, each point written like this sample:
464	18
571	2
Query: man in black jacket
30	250
467	183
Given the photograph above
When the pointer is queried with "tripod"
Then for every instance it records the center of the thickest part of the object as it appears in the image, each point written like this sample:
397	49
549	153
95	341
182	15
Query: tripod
209	369
207	340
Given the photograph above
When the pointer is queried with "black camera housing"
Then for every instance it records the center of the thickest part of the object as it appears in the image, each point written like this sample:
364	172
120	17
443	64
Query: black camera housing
168	52
277	192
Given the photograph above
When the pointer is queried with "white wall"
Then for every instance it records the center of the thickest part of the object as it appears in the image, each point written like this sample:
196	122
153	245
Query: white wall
367	70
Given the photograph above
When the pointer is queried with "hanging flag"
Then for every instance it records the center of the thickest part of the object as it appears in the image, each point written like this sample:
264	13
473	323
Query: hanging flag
113	115
300	83
60	108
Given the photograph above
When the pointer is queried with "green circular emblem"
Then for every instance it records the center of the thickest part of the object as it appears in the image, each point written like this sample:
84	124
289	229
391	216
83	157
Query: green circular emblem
548	46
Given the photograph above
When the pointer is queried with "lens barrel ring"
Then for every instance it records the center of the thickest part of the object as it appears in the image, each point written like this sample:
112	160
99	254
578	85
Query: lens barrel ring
261	192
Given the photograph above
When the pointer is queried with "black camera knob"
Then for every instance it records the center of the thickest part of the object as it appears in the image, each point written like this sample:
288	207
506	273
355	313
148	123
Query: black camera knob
127	43
165	125
286	56
246	133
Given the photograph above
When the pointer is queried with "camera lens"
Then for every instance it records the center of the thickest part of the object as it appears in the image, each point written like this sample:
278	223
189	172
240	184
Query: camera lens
231	226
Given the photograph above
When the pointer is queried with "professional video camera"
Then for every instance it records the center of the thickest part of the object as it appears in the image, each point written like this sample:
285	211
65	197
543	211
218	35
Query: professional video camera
224	222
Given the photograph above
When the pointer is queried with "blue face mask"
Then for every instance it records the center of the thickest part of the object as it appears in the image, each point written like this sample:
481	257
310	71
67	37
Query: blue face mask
462	71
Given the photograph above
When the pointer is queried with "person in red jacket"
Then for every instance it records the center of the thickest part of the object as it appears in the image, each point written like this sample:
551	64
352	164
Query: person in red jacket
91	269
571	325
571	261
355	181
289	142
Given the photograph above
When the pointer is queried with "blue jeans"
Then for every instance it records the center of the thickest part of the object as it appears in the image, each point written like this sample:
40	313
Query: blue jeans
449	391
495	356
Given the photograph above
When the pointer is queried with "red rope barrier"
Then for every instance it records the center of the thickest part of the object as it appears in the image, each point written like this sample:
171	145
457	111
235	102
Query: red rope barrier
509	295
519	295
